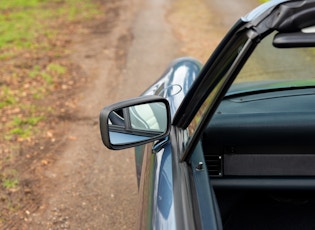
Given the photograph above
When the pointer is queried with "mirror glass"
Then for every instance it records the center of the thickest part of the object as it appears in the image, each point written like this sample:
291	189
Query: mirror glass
137	123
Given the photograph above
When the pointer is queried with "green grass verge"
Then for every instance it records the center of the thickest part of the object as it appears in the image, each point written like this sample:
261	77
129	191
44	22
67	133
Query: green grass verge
33	38
21	21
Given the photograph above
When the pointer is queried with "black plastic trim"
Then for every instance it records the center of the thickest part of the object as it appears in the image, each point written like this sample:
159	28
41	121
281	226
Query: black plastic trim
291	183
104	114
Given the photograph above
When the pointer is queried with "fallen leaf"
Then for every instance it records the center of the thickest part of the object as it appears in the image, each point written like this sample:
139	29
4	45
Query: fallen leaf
44	162
72	138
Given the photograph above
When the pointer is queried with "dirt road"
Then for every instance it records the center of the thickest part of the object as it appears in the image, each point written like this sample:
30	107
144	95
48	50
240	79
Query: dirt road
227	12
90	187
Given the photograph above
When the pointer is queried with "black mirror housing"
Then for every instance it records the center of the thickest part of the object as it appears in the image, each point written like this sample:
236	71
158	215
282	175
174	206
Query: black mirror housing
135	122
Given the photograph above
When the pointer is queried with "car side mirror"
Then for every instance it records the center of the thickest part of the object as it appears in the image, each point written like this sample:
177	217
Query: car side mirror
135	122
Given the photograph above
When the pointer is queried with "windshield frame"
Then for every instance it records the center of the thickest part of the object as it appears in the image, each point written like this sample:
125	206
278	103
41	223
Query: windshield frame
240	46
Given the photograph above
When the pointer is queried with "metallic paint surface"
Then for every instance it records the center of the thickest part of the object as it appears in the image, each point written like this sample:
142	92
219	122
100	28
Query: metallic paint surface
181	73
159	207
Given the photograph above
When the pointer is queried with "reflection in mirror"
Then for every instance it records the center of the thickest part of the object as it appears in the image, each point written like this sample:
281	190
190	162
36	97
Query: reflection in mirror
137	123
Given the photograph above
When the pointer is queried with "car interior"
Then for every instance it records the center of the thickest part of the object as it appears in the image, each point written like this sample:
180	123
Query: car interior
259	146
261	158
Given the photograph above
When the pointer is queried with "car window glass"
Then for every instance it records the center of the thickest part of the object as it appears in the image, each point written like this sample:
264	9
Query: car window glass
224	67
268	63
202	111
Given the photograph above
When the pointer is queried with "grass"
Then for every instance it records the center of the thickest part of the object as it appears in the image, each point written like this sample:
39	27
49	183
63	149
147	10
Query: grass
21	21
10	183
35	36
32	31
9	179
7	97
24	127
56	68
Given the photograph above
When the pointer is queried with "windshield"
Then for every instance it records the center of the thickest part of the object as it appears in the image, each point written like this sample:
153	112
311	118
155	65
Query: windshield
271	68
